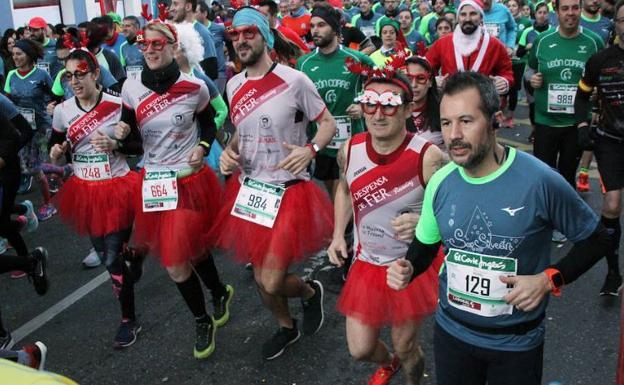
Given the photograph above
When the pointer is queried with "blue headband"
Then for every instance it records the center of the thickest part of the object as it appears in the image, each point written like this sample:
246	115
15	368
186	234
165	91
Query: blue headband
249	16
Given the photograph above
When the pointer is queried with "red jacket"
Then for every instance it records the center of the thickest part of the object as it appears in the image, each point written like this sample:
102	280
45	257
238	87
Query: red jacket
496	61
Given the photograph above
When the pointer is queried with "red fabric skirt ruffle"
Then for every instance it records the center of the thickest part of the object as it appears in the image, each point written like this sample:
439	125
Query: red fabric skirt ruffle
367	297
96	208
303	226
179	236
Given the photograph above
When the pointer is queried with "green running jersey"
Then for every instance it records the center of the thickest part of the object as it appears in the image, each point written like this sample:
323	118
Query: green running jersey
561	61
338	87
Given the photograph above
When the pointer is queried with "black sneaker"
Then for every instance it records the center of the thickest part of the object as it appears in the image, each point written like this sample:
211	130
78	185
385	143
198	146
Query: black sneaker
126	334
313	315
204	339
612	284
284	337
7	341
222	306
39	275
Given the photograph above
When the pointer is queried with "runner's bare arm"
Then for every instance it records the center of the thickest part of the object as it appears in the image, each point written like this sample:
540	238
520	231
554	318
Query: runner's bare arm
343	211
433	160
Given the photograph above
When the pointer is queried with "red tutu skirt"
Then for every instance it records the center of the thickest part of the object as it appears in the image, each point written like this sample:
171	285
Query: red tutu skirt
367	297
96	208
304	225
179	236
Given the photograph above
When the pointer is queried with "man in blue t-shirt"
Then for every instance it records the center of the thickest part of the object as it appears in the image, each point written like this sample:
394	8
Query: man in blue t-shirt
493	210
205	16
49	63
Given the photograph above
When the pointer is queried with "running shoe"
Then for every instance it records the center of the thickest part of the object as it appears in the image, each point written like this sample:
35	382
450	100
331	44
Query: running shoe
39	275
46	211
37	353
222	306
33	221
4	245
558	237
7	341
25	184
612	284
17	274
54	183
92	259
313	315
249	266
204	339
22	222
582	183
126	334
283	338
384	374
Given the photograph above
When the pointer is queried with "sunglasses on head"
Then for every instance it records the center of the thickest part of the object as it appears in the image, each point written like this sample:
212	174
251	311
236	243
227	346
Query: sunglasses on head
156	44
420	78
248	32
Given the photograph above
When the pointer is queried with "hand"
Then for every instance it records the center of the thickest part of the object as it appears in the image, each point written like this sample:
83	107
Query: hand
528	290
122	130
337	251
102	142
50	108
58	150
354	111
298	159
537	80
502	87
196	157
404	225
228	162
399	274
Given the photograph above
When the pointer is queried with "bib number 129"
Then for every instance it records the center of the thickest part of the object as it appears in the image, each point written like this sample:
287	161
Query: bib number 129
478	285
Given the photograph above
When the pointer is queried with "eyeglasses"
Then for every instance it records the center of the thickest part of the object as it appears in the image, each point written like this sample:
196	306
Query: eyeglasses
386	110
156	44
420	78
248	32
79	75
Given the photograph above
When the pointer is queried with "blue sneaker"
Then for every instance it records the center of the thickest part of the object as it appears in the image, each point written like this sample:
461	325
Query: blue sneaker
33	221
46	212
25	184
126	334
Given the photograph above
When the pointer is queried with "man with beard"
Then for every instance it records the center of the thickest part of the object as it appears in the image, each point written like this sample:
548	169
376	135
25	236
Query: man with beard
497	273
183	11
49	63
592	19
131	57
325	66
471	48
273	215
604	72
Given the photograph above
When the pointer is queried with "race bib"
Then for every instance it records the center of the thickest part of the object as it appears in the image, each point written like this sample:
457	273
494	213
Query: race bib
134	72
258	202
160	190
561	98
29	115
92	167
474	285
343	132
493	29
44	65
368	31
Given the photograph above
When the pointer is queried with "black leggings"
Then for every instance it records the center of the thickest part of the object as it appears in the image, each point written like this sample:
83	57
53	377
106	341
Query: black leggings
9	228
558	147
518	72
109	248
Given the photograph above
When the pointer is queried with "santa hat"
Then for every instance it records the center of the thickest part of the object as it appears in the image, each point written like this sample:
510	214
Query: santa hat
476	4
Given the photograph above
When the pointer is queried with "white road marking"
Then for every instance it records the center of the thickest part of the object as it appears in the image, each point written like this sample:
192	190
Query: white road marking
40	320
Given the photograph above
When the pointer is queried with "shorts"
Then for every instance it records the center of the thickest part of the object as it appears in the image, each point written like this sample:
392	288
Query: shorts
610	158
326	167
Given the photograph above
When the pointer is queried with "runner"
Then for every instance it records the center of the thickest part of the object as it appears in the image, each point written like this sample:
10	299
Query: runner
412	37
29	88
49	62
273	215
366	20
499	23
130	55
471	48
557	60
604	72
497	273
217	30
179	195
392	42
383	173
298	19
97	200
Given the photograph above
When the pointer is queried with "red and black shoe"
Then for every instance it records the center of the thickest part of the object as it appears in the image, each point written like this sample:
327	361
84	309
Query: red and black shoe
384	374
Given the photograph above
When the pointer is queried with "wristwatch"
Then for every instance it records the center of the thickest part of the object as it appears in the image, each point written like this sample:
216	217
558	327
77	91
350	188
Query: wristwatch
556	280
314	147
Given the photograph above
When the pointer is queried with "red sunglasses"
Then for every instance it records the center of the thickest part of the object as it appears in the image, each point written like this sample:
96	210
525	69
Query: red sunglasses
248	32
156	44
371	109
420	78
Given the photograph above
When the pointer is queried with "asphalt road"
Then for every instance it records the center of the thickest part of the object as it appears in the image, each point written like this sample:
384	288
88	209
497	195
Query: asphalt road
581	340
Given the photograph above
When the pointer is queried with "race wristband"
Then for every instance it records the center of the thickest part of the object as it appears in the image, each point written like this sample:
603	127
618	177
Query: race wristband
313	147
205	146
